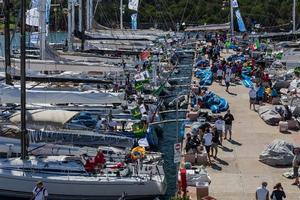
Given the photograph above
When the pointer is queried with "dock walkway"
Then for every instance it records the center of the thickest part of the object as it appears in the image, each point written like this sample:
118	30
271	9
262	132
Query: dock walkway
237	173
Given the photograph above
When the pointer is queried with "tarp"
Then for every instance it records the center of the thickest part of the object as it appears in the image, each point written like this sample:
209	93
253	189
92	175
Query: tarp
11	94
56	118
278	153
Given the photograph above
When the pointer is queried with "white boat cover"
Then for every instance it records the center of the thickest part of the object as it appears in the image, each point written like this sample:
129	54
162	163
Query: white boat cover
278	153
11	94
50	117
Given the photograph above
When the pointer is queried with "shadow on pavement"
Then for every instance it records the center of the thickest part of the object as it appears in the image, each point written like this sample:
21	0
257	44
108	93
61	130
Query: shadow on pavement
235	142
226	149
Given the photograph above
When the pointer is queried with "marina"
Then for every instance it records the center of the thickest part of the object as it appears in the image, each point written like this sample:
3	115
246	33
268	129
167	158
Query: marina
187	112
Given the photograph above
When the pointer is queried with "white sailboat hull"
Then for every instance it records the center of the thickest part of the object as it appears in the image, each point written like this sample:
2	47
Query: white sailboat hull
21	186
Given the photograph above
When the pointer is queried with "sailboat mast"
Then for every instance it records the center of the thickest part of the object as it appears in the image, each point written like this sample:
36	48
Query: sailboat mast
231	18
121	14
42	28
294	16
7	42
23	82
70	30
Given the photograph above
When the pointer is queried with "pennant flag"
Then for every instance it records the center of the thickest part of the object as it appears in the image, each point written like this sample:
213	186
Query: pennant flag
33	17
235	4
34	38
256	45
133	5
139	85
134	21
136	113
139	130
159	90
240	21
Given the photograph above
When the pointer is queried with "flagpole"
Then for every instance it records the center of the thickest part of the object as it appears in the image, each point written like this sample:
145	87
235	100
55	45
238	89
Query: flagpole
294	16
231	18
121	14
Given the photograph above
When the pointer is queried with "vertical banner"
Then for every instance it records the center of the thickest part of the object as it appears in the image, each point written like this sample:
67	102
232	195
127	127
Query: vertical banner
235	4
134	21
133	5
240	21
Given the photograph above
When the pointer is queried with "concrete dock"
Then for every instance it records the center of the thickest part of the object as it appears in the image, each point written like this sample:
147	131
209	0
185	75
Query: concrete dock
237	173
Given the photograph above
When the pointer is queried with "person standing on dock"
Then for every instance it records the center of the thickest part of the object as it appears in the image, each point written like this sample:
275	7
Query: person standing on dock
252	97
207	138
296	164
228	118
219	124
262	193
39	192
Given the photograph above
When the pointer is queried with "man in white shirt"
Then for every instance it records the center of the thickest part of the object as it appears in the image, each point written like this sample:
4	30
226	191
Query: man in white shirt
220	125
252	96
220	75
207	137
39	192
262	193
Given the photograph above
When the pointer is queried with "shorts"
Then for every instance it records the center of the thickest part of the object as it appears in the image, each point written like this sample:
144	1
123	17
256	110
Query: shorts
296	171
220	78
252	100
220	133
214	145
259	98
227	84
228	127
207	148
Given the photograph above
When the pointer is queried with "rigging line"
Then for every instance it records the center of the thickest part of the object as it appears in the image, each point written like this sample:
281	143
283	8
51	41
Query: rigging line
186	4
168	13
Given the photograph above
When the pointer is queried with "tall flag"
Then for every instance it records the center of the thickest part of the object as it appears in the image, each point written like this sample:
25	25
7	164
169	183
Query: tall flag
240	21
134	21
33	15
133	5
235	4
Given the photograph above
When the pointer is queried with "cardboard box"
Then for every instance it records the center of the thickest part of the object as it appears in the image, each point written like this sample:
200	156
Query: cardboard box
283	126
201	159
193	115
190	157
201	190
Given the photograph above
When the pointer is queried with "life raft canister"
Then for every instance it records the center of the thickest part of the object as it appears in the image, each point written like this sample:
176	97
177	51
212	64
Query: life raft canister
138	152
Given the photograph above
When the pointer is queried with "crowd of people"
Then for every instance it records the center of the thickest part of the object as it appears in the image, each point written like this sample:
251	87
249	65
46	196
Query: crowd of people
211	136
261	90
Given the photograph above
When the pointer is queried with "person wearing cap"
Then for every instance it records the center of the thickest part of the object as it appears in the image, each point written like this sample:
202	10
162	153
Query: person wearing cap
262	193
39	192
228	118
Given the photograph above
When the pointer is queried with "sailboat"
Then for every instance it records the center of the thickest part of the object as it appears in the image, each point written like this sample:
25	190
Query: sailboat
65	176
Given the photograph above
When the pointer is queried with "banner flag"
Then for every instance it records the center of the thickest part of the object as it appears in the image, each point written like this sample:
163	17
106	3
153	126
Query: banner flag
240	21
134	21
235	4
133	4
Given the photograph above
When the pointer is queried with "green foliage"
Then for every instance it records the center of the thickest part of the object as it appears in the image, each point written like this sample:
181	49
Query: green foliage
167	13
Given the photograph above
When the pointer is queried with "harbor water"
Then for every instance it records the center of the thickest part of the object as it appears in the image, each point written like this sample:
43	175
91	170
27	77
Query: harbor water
170	137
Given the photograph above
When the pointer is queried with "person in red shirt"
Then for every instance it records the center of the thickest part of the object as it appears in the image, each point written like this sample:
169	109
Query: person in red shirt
99	160
89	166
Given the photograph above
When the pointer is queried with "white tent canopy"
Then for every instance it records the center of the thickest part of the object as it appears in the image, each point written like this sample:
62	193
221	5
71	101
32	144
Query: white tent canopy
10	94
